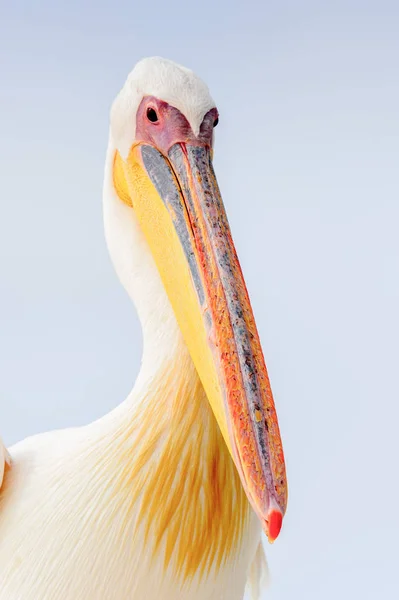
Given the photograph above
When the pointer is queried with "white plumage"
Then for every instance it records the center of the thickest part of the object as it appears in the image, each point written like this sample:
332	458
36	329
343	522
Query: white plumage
67	529
163	79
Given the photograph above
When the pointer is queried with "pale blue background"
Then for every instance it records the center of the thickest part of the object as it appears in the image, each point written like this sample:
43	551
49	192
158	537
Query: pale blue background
307	159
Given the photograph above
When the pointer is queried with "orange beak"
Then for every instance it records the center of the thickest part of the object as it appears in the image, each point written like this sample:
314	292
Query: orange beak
177	201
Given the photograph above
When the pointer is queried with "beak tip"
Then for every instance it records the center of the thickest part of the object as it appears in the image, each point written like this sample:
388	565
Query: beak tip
273	524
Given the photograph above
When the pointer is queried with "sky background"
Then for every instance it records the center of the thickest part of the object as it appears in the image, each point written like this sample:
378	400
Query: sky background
307	154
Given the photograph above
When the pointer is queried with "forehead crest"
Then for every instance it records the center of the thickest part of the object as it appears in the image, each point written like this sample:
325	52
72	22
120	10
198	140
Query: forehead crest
165	80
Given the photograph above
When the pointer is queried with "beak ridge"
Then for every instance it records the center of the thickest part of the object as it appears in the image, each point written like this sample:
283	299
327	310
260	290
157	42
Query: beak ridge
180	196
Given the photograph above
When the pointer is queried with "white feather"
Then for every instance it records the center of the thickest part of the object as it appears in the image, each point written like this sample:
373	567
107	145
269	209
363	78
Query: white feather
57	540
5	460
258	574
165	80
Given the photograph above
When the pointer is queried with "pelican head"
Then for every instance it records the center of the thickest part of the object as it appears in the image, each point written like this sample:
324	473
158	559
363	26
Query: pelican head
162	198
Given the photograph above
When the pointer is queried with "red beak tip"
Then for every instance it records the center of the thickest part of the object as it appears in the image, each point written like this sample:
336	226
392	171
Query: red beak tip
275	520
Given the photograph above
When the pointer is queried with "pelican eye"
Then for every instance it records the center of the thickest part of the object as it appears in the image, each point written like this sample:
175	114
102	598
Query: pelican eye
152	115
216	121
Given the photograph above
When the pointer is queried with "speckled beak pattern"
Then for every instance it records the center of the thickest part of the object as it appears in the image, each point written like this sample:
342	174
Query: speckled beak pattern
213	310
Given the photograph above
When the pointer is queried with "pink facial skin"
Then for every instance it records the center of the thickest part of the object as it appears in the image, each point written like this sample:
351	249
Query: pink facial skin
171	126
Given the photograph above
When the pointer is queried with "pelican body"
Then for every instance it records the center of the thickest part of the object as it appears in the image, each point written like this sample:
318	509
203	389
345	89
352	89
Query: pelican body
165	497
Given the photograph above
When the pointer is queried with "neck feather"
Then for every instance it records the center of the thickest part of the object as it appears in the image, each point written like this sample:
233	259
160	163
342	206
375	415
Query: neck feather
175	475
172	471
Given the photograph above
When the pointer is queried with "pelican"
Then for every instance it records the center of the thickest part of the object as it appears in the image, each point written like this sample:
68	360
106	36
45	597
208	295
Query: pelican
166	497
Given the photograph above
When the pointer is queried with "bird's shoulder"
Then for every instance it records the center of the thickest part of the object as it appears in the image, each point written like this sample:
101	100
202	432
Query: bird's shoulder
5	461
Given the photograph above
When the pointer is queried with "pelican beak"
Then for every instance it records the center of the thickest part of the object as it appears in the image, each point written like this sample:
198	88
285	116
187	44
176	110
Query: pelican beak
177	202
